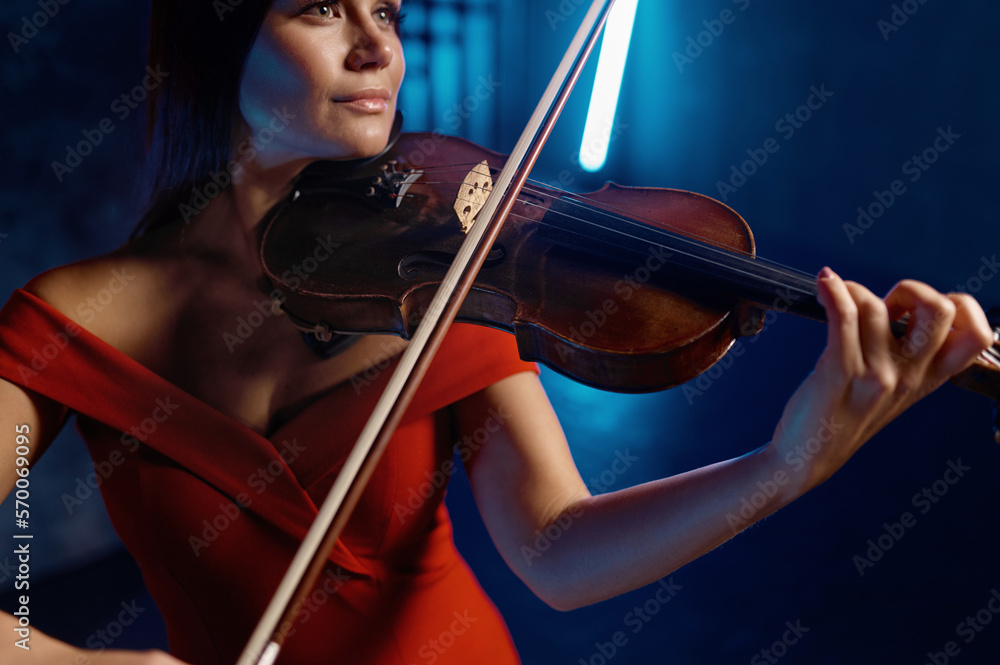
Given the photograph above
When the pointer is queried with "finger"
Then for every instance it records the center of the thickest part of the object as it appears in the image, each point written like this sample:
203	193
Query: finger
931	316
843	341
874	330
970	335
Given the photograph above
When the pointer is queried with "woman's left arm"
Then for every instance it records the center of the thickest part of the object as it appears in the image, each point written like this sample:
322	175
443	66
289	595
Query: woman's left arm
529	491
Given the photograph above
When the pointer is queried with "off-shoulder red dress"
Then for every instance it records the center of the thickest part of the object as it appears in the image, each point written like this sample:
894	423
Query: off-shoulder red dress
213	511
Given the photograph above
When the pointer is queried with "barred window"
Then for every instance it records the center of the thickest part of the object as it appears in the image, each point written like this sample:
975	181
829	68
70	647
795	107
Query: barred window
452	67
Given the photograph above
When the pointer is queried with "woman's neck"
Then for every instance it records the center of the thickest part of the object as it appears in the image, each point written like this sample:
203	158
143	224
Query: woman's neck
231	222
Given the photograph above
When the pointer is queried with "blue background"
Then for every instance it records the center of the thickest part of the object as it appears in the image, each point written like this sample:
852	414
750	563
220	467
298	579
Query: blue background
684	127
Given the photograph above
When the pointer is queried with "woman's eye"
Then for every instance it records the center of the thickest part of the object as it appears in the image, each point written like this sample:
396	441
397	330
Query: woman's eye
388	15
321	9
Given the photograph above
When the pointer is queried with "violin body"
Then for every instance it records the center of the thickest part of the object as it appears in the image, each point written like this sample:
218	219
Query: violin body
617	318
630	289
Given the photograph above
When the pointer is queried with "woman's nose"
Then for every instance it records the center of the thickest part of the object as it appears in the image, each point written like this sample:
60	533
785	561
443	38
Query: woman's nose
372	48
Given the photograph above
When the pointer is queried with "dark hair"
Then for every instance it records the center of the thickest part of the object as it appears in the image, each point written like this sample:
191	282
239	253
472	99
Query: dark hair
202	46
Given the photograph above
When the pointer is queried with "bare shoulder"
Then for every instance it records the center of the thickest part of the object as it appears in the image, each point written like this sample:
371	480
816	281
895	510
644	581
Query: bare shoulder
123	296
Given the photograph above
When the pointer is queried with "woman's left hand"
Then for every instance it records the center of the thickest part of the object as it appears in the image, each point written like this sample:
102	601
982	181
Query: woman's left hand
865	376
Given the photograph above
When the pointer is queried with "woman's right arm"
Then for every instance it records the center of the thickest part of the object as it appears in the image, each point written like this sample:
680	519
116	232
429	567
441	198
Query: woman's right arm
40	419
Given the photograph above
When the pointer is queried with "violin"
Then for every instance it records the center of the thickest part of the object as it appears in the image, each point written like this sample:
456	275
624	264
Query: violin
630	289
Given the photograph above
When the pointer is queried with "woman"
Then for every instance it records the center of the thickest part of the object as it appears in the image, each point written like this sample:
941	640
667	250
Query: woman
320	81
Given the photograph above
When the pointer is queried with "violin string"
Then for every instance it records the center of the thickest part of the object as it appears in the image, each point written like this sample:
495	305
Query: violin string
580	200
747	275
993	355
583	201
632	219
690	241
696	241
990	356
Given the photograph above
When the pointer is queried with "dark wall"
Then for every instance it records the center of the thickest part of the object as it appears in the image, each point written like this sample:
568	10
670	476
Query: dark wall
889	95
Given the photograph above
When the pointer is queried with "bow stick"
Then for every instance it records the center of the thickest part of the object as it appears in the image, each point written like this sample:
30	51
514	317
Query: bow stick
269	636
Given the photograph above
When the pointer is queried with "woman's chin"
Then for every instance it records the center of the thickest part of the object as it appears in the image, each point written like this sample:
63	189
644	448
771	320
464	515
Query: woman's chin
368	146
365	138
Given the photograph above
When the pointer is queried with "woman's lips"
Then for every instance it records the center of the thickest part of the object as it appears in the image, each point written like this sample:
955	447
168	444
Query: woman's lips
372	100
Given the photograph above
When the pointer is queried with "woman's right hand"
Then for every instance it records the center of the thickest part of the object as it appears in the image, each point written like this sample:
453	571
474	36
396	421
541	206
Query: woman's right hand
46	650
41	419
117	657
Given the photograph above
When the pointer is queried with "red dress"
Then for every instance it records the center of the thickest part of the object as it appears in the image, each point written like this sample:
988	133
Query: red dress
213	512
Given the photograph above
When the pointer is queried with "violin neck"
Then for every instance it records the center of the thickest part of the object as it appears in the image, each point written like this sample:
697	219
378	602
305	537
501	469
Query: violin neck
699	265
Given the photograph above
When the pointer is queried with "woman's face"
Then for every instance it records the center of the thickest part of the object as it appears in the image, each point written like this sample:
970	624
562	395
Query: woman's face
322	78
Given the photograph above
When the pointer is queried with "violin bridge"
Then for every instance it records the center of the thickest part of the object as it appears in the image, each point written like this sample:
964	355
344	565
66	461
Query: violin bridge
472	195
